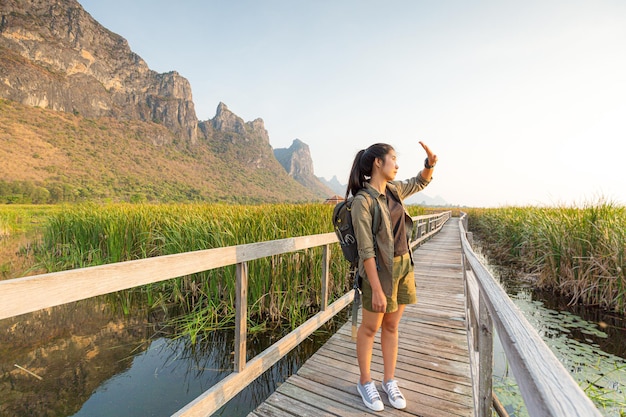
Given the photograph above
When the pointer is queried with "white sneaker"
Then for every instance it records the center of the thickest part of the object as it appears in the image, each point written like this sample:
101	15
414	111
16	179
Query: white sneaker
370	396
393	392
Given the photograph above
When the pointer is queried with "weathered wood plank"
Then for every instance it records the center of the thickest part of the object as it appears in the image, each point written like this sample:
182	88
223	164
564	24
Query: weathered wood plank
434	385
422	398
241	316
425	361
291	401
309	393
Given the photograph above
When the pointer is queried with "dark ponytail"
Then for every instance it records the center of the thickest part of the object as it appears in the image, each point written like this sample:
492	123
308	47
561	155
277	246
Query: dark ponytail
362	166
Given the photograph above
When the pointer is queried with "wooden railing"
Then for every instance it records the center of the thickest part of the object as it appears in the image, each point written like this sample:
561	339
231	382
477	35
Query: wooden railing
24	295
427	225
547	388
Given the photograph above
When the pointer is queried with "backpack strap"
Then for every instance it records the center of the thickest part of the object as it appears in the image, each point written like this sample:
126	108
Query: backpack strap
356	277
376	219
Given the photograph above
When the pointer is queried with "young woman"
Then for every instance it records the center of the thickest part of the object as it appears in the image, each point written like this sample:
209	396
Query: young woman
386	262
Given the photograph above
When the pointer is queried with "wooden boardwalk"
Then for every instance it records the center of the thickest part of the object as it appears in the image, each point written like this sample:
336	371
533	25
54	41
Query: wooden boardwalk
433	368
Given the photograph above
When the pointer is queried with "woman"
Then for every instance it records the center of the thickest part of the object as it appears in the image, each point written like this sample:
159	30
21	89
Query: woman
386	262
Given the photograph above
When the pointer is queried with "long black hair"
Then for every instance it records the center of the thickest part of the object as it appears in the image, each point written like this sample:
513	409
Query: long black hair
362	166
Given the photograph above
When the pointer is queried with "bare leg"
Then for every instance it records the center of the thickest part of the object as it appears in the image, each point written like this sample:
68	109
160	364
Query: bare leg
389	341
370	323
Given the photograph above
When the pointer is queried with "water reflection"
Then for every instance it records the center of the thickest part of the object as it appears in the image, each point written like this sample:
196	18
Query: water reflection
93	362
171	373
71	349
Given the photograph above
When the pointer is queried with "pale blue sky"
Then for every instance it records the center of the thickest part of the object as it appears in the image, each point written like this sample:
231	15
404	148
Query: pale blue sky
524	102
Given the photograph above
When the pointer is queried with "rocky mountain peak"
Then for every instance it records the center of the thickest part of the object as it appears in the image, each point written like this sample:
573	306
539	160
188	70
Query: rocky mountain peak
298	163
296	159
226	121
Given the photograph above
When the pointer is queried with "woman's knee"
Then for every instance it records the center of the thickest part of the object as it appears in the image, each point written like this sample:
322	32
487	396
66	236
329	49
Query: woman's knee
392	321
390	326
368	329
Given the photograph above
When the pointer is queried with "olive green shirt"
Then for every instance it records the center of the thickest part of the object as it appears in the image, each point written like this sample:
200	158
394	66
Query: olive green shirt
362	211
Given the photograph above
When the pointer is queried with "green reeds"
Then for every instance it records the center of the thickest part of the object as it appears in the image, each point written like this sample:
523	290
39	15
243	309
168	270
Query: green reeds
20	227
282	288
579	252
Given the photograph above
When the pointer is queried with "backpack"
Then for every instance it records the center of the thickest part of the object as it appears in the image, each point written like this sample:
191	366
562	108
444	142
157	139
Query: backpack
342	222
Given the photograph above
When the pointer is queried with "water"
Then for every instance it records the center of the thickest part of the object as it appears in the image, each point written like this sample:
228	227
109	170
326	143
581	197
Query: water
589	342
95	362
170	374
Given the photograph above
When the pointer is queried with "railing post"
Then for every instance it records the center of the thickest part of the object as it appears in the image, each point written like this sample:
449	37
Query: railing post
241	316
485	358
325	275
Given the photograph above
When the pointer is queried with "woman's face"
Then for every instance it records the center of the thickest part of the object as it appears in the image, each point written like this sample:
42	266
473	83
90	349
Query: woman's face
389	167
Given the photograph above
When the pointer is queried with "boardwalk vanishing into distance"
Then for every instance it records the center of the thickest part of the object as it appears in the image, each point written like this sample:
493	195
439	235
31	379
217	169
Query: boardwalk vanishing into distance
433	367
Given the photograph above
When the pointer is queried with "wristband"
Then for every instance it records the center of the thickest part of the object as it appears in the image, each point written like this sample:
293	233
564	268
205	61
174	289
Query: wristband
428	166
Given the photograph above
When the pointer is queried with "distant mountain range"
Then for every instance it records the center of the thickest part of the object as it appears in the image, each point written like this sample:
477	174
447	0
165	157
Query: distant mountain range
418	199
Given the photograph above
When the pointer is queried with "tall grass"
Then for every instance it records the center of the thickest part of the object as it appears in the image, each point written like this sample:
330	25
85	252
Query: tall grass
18	219
579	252
20	227
281	288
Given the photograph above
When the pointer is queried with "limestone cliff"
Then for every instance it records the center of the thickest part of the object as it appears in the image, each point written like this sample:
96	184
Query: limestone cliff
298	163
225	121
54	55
248	142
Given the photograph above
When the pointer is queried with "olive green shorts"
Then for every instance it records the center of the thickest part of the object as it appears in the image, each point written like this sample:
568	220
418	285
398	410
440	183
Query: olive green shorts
403	287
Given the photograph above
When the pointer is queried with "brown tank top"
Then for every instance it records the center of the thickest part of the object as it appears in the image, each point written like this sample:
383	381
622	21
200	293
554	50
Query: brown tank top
400	243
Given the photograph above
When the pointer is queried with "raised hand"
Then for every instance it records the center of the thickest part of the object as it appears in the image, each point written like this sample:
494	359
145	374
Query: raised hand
432	158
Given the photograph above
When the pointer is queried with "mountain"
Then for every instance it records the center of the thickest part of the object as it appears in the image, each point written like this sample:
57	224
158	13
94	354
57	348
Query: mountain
83	117
298	163
334	184
50	156
416	199
422	199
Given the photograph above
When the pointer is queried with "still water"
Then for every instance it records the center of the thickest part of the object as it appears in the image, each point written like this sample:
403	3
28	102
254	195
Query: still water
169	374
84	359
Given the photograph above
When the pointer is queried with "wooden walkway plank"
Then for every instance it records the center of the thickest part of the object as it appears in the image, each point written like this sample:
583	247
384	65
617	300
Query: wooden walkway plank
433	368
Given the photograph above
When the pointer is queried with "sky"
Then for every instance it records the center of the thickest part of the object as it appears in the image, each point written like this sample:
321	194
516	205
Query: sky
523	102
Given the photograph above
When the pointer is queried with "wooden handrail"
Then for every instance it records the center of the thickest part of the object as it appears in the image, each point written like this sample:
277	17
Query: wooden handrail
28	294
24	295
547	388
